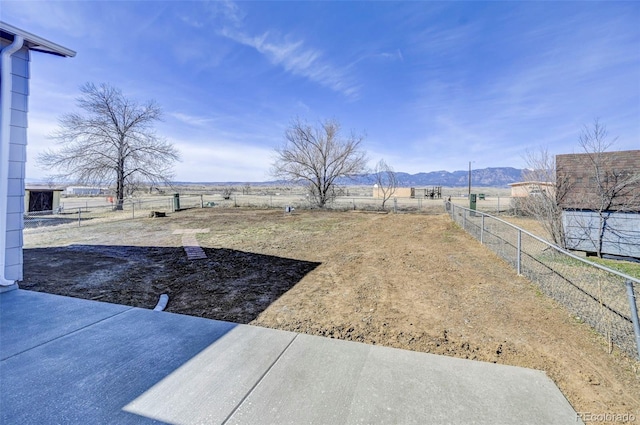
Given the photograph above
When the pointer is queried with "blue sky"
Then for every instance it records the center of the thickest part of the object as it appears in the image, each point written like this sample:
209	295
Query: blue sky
433	85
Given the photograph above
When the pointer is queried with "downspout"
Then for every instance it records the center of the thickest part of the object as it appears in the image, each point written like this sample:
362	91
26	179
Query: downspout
6	85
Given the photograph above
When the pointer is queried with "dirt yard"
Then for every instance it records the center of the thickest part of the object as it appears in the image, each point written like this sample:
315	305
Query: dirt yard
411	281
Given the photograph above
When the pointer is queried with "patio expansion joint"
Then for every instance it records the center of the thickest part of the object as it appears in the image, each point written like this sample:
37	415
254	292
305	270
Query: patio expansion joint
266	372
67	334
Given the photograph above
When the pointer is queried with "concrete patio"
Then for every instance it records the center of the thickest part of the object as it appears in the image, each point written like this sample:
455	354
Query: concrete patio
66	360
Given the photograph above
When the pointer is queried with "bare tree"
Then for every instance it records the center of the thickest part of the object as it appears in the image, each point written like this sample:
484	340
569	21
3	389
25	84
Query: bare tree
546	190
112	141
318	156
227	192
386	181
611	184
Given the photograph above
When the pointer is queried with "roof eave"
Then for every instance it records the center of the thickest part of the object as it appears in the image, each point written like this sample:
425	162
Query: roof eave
37	43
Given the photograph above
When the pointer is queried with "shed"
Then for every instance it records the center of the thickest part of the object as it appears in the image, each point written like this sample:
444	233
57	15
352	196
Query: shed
619	173
38	198
16	45
601	209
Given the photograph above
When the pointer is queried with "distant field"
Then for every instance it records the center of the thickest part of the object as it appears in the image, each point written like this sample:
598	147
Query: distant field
351	197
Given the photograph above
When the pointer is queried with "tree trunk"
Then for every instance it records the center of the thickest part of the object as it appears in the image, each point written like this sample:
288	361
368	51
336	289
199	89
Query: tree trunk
120	186
601	229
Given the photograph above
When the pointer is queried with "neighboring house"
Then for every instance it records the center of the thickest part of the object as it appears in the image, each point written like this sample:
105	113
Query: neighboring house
17	46
85	191
525	189
607	201
398	192
410	192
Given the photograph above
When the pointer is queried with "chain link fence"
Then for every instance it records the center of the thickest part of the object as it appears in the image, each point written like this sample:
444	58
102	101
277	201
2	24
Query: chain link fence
96	212
82	212
595	294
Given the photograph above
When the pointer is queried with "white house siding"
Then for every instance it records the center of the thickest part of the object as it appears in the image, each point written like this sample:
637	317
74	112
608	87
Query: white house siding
621	237
17	159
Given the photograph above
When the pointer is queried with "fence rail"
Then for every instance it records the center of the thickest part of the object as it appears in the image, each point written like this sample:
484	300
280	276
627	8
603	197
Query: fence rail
76	212
82	214
595	294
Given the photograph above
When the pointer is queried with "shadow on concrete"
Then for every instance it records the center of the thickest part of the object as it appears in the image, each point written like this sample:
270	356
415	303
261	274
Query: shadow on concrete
229	285
82	362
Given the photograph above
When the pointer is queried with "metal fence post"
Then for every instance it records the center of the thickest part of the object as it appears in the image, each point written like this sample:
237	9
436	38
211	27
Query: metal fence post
201	201
634	314
482	231
519	253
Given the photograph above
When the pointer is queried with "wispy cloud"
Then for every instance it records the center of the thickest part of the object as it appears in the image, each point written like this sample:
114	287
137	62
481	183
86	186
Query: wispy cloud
397	55
442	43
220	12
288	52
191	119
297	59
379	57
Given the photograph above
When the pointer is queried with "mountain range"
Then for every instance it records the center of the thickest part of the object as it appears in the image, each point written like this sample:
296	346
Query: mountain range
486	177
